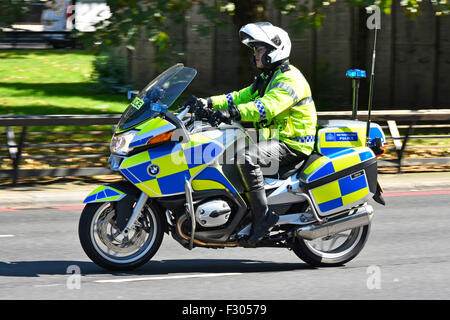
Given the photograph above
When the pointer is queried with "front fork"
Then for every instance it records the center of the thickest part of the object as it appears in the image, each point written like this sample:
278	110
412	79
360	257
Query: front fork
136	213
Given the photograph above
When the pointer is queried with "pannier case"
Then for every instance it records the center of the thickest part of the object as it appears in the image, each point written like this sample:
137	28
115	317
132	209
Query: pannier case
342	172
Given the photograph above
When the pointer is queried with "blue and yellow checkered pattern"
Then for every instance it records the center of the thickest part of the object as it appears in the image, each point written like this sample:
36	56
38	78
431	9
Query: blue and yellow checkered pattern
335	162
229	100
340	193
103	194
351	134
305	139
177	162
344	191
261	110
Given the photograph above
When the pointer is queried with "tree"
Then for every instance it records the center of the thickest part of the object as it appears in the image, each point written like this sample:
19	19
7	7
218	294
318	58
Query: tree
132	18
12	10
308	12
154	17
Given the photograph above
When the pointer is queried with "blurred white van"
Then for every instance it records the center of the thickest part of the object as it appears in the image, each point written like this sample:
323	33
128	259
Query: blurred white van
65	15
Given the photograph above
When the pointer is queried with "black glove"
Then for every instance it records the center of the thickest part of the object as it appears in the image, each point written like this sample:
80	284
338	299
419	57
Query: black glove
191	102
226	116
203	109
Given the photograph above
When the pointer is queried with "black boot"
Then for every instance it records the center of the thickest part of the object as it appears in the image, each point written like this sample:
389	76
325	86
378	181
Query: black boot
263	218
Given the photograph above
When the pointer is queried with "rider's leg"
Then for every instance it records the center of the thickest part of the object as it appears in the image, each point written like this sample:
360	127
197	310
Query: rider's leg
270	154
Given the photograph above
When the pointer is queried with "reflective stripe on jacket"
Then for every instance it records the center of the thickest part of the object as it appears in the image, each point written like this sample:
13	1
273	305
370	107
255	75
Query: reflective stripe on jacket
286	106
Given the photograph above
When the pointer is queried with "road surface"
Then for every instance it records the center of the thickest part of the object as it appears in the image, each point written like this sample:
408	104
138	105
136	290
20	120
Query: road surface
407	256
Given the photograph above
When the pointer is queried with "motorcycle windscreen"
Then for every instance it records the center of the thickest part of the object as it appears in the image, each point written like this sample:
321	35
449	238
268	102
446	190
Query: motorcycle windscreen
157	96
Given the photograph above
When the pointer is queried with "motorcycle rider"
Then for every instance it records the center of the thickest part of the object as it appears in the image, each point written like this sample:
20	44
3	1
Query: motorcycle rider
279	103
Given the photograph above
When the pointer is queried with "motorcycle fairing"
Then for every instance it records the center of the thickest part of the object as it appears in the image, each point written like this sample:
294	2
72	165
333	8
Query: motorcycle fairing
172	164
341	180
212	178
104	194
327	165
149	130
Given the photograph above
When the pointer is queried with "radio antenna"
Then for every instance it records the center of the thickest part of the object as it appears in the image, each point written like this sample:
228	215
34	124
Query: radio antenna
372	77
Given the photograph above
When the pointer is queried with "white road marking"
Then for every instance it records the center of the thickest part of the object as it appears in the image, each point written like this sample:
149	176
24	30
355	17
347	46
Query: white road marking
168	277
46	285
6	235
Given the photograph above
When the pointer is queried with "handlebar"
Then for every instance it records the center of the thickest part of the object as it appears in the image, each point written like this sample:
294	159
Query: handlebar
197	112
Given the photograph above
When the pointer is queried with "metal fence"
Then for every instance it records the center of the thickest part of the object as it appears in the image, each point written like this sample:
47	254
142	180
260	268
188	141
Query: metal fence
15	136
19	38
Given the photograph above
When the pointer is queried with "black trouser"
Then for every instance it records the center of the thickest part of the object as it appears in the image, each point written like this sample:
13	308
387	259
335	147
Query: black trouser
266	156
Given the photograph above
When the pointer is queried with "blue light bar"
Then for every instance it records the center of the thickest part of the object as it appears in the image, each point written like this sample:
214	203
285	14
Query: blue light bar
356	73
158	107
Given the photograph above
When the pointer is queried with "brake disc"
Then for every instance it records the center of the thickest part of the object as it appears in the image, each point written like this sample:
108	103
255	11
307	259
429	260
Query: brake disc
112	238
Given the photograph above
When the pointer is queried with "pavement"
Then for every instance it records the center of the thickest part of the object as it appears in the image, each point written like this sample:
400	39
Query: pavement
73	193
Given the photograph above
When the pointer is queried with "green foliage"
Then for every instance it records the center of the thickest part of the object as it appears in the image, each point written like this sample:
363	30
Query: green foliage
134	18
52	82
215	12
152	18
111	72
308	14
11	11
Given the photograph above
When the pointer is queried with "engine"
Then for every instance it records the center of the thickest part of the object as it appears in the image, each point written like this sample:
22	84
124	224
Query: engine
213	213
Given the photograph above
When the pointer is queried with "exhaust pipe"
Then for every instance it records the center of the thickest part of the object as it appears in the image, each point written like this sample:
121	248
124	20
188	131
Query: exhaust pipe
361	218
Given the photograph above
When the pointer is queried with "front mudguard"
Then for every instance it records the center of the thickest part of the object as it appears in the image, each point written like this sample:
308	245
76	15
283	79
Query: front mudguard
122	196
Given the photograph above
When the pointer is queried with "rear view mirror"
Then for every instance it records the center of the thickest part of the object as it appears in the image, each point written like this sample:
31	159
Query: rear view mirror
132	94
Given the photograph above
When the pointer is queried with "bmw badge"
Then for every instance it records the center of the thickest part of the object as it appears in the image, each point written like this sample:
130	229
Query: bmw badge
153	170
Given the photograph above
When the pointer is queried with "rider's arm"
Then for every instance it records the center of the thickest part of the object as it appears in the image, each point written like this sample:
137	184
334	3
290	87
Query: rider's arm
235	98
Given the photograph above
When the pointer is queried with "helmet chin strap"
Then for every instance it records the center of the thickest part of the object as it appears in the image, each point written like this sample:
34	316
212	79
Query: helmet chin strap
265	60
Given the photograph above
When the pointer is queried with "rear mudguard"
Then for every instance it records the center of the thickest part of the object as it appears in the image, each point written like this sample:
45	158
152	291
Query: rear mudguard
122	194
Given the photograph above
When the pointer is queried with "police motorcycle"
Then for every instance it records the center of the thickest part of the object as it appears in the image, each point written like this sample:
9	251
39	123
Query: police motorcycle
180	178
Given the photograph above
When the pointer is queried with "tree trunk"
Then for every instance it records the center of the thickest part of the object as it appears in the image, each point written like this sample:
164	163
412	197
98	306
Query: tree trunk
247	11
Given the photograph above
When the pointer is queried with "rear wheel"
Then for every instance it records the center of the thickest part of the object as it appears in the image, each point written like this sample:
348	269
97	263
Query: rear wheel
103	242
334	250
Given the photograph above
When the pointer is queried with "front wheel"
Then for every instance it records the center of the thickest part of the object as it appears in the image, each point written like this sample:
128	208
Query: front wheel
334	250
104	244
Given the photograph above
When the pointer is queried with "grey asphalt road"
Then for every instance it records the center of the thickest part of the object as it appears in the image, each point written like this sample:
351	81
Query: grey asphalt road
406	257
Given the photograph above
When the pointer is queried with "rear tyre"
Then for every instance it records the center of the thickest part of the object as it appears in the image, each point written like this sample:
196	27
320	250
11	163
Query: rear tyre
334	250
104	244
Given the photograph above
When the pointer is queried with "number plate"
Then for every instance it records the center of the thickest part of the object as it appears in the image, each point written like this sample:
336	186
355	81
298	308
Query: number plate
137	103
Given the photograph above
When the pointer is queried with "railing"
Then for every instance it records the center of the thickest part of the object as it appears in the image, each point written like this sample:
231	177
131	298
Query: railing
16	142
435	119
57	39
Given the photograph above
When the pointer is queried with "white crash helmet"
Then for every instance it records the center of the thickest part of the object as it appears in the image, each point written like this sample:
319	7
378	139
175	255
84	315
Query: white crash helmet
264	33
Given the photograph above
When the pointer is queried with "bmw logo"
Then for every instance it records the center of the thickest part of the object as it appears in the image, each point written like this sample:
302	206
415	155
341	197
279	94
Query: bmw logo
153	169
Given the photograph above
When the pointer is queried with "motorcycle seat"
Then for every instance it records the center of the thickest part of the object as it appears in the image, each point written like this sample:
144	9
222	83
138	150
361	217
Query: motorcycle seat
286	171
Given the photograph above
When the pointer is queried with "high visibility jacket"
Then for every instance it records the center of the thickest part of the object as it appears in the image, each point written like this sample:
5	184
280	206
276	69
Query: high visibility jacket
285	110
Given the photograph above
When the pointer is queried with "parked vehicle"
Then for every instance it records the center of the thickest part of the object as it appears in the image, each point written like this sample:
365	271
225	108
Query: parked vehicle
66	15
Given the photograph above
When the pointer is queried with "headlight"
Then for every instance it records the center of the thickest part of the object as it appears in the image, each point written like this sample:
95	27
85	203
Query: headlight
120	144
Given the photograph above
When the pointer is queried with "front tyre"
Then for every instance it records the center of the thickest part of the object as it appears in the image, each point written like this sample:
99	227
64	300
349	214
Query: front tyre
104	244
334	250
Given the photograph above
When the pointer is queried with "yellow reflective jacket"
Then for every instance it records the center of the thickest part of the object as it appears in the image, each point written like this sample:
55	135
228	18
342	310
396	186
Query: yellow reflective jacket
285	110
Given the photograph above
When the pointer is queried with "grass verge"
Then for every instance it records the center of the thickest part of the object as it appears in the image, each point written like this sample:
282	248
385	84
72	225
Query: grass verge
37	82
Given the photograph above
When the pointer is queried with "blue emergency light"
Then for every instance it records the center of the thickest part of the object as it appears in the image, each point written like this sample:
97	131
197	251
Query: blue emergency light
158	107
356	73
